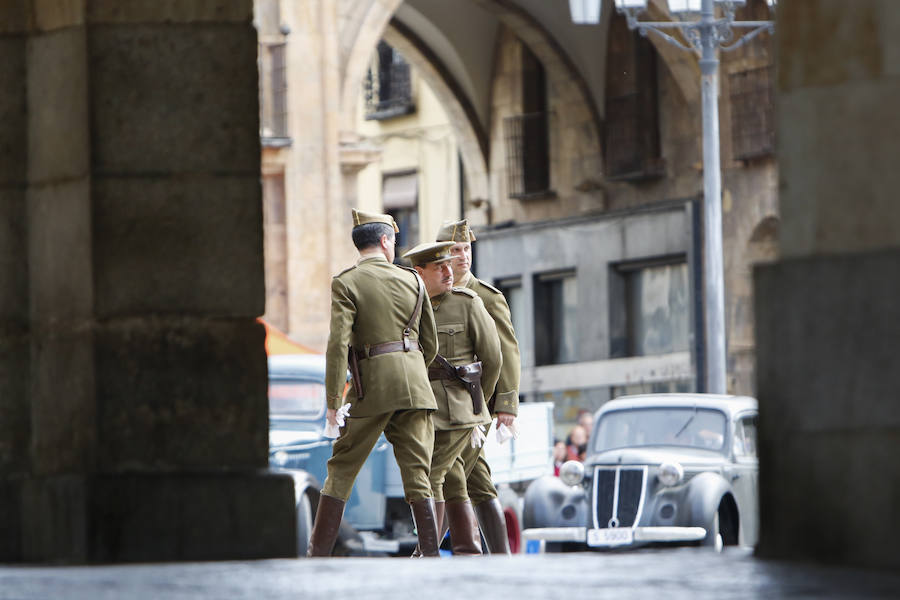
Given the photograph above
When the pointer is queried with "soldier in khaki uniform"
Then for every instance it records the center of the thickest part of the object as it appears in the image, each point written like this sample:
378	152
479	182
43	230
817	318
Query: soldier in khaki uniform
466	333
380	312
505	405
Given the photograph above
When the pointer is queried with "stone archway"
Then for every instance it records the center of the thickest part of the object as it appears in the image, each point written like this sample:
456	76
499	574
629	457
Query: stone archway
470	136
362	29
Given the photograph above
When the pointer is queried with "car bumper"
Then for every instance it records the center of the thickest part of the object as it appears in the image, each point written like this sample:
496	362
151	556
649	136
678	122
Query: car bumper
638	535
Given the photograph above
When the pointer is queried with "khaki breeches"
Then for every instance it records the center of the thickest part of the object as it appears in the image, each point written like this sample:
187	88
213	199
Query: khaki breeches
448	479
479	483
411	432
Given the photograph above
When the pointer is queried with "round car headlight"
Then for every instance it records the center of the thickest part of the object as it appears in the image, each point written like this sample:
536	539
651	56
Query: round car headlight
670	474
571	472
280	458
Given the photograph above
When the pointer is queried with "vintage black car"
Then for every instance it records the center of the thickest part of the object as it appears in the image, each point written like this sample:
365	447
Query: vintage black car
660	469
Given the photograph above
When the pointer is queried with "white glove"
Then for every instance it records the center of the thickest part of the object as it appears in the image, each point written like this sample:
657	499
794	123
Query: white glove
478	436
504	432
333	431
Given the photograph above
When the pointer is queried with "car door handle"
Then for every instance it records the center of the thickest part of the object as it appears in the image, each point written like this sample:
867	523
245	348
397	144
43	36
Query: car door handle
736	476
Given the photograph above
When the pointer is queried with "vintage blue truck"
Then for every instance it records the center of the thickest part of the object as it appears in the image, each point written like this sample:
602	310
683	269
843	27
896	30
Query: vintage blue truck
376	518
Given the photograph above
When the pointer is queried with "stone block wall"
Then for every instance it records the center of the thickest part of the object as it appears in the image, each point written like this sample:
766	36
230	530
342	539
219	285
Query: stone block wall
134	410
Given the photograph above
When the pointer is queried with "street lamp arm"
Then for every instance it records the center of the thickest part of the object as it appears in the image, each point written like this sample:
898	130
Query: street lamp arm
761	26
721	30
644	28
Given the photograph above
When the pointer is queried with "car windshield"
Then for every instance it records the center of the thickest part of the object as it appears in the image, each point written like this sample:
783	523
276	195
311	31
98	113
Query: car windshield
301	400
688	426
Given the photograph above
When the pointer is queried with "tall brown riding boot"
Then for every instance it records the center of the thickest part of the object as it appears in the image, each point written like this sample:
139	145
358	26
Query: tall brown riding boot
438	518
464	537
493	526
426	527
325	529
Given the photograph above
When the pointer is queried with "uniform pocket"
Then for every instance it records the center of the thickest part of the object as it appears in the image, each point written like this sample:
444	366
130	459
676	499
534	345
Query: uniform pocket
447	335
459	403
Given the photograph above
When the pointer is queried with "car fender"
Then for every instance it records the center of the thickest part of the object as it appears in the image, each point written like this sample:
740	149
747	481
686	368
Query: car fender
304	483
551	503
705	493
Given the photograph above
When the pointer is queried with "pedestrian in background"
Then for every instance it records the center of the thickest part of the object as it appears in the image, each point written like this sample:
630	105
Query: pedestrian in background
576	447
559	455
504	405
465	331
382	323
586	420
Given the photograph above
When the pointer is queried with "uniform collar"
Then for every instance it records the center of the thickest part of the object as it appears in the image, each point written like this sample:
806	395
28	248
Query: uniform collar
371	257
436	301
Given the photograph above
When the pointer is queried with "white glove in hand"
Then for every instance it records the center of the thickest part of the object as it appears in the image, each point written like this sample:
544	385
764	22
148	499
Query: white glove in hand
333	431
504	432
478	436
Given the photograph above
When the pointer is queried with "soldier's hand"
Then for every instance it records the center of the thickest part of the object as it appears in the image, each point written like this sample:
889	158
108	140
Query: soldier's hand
331	416
505	418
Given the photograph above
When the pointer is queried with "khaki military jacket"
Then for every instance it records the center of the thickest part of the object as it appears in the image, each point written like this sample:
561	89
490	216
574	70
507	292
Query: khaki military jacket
508	385
466	333
371	303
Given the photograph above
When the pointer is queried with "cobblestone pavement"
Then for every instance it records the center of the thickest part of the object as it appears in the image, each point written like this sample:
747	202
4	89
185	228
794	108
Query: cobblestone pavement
693	574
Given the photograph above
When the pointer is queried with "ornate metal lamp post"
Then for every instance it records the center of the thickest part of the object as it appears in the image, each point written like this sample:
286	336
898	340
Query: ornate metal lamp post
704	36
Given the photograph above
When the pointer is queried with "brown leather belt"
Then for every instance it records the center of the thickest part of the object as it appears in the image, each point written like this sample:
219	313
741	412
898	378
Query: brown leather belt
384	348
437	373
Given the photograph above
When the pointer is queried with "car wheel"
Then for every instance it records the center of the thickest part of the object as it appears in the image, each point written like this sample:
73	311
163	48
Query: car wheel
723	531
304	524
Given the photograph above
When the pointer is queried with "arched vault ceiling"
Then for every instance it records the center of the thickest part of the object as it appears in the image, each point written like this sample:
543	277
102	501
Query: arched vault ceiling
462	33
463	37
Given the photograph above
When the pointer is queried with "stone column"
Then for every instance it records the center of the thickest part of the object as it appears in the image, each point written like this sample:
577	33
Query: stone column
15	433
147	383
317	220
828	318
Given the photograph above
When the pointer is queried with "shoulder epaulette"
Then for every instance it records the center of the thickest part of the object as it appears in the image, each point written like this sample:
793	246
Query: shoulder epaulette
489	286
347	270
464	292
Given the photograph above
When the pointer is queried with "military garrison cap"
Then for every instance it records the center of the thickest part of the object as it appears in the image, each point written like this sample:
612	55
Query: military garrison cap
361	218
429	252
455	231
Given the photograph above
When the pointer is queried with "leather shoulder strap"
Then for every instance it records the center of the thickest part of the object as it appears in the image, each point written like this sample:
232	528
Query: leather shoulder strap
419	302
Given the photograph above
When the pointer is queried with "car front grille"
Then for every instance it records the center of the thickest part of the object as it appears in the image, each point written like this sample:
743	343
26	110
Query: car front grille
618	496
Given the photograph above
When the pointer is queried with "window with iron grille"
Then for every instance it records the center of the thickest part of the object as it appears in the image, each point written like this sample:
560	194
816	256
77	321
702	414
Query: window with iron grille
631	137
273	92
527	141
752	114
388	87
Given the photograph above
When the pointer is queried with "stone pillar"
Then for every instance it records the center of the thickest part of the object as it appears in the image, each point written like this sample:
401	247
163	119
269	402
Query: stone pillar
14	340
147	383
828	319
317	219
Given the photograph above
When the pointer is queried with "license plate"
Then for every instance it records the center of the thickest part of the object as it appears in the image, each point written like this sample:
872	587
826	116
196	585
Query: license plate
617	536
